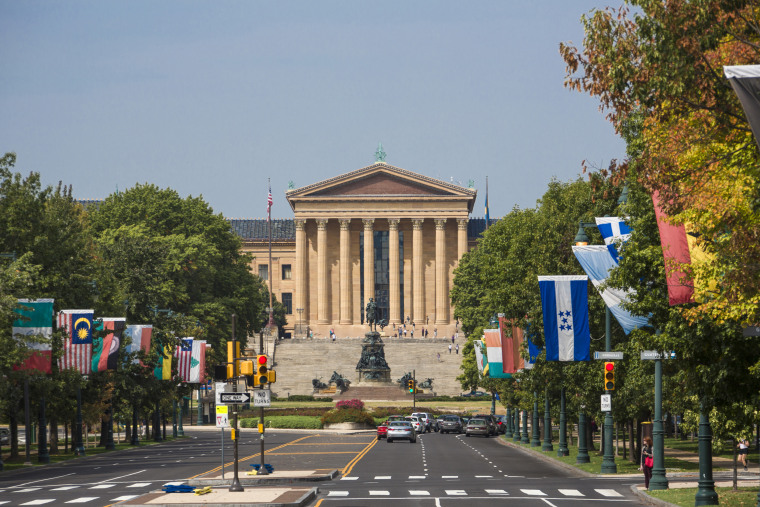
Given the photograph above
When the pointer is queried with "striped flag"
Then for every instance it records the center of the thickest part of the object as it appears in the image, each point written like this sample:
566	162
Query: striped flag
614	230
163	369
105	350
185	359
269	203
139	339
77	343
564	301
35	318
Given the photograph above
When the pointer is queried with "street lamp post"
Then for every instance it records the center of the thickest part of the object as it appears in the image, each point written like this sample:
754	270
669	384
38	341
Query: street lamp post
547	424
563	450
536	437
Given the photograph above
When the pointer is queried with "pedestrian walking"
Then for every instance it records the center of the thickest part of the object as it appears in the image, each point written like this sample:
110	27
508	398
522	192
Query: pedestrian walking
647	460
439	357
435	333
743	451
449	349
457	348
452	338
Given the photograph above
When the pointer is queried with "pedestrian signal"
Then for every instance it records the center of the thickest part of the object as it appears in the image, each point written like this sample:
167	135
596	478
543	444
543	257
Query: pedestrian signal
609	376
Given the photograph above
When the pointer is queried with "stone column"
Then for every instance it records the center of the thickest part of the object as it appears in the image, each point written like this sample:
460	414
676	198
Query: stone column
322	281
461	237
418	274
369	261
441	276
345	271
394	303
300	274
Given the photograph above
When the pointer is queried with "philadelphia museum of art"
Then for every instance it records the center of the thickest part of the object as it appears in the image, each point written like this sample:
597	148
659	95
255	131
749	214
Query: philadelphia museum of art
377	232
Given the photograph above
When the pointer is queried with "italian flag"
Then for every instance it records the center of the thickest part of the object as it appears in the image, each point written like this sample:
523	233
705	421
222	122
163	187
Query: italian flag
33	327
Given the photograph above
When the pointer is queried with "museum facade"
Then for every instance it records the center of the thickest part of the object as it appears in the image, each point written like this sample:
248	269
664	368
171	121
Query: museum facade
378	232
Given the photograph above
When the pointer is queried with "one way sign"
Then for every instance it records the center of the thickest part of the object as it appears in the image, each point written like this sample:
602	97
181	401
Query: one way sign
230	398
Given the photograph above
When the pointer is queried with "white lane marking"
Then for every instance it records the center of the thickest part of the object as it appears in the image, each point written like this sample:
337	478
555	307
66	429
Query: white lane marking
348	478
121	476
103	486
418	492
26	490
83	499
570	492
449	477
337	493
3	502
64	488
417	477
173	483
456	492
139	485
382	477
484	476
122	498
42	501
496	492
437	502
374	492
547	502
48	479
607	492
533	492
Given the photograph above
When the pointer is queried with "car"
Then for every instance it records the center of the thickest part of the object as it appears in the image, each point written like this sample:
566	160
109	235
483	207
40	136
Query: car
427	420
451	424
501	424
401	430
416	423
5	436
382	430
474	393
490	421
477	426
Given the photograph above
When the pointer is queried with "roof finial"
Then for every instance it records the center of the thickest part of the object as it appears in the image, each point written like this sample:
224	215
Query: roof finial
379	154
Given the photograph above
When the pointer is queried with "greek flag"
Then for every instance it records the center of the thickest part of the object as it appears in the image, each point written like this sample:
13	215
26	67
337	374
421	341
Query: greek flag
615	231
565	306
597	263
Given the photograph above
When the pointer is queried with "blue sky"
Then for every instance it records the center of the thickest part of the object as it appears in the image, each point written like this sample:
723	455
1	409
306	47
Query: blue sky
213	98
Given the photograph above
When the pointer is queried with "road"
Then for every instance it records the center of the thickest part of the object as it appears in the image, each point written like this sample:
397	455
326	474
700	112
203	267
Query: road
439	470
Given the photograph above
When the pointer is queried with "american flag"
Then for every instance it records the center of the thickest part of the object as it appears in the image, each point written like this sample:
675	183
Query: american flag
184	359
77	343
269	202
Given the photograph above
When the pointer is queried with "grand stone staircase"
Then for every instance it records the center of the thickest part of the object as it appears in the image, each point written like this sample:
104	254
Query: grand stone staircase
299	360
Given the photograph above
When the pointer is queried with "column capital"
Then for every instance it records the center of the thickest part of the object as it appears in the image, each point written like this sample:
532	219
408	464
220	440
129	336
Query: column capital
344	223
462	223
440	223
300	223
369	223
322	224
417	223
393	223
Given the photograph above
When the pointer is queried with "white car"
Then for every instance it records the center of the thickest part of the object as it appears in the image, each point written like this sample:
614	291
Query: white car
401	430
427	420
417	424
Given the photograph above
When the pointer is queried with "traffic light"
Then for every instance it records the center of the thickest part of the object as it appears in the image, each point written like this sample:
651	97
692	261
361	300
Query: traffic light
609	376
246	368
261	376
232	370
410	385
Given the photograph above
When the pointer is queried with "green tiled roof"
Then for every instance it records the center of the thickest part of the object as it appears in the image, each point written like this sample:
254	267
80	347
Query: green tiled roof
255	229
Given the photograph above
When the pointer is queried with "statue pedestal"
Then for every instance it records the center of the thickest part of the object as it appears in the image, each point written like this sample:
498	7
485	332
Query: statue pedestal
372	367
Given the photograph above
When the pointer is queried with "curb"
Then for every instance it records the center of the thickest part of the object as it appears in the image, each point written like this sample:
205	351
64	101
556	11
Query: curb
261	480
650	500
302	501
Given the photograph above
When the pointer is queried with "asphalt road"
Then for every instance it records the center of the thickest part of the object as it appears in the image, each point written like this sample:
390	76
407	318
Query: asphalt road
439	470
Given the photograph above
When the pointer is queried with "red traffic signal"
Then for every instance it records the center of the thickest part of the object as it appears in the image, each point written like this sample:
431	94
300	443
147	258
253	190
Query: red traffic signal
609	376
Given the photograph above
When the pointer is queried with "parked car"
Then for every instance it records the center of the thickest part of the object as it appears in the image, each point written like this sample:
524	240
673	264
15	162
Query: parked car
490	421
5	436
382	430
451	424
474	393
401	430
477	426
416	423
501	424
392	418
427	420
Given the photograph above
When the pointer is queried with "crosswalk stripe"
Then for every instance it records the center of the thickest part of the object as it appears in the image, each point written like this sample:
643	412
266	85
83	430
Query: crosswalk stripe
41	501
456	492
496	492
64	488
83	499
449	477
607	492
382	477
103	486
484	476
349	478
570	492
533	492
337	493
417	492
139	485
374	492
2	502
25	490
124	497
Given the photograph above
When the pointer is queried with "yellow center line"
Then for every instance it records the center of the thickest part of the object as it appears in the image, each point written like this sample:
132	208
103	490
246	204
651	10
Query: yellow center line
321	452
347	469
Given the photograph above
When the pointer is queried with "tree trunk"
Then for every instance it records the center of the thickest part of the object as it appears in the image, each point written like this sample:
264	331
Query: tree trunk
14	434
639	436
589	436
128	431
53	439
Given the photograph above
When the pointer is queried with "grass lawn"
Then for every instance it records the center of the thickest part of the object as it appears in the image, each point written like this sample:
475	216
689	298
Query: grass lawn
726	496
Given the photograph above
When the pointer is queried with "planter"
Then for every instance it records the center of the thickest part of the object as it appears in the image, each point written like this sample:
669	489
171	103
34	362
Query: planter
348	426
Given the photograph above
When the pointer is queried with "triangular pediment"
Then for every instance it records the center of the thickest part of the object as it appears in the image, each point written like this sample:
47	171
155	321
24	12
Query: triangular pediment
380	180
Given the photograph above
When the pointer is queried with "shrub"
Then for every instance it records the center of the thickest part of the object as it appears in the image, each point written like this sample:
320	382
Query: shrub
344	404
288	421
301	398
348	415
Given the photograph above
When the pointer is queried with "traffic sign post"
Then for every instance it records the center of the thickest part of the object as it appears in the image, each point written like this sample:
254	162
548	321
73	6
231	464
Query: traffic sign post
606	403
262	398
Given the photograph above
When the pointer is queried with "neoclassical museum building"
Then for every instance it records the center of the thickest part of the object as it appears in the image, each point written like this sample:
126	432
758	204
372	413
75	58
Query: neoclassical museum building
377	232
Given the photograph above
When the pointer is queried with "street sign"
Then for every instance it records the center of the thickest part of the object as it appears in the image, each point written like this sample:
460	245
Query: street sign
606	403
219	388
262	398
653	354
609	356
222	418
232	398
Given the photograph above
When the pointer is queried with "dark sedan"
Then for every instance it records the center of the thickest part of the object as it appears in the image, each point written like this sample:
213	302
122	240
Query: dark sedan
450	424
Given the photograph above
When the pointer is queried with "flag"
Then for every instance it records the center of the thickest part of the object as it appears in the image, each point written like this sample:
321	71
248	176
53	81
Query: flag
198	350
597	263
35	318
77	343
745	80
480	358
202	361
533	350
269	203
488	215
614	230
163	369
105	350
492	340
564	300
512	361
184	359
139	339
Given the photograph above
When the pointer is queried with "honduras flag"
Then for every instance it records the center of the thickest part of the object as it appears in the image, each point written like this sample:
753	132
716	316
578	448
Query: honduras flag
565	307
597	263
614	230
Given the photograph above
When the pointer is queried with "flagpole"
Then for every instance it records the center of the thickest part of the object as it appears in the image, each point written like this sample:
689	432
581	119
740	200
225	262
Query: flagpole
488	218
270	324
